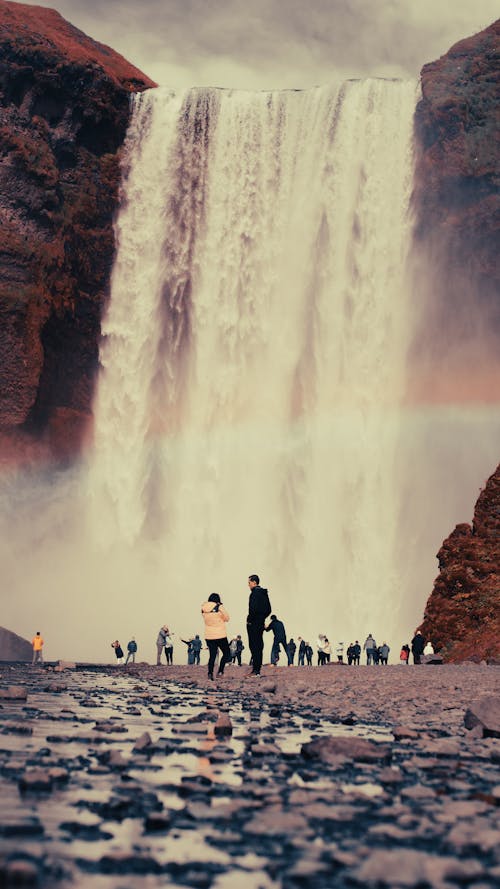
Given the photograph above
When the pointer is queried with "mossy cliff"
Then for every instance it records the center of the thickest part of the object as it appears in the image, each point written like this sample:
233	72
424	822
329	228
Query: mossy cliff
64	111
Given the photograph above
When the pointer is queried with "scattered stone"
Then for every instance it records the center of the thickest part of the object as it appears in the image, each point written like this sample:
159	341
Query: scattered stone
223	726
19	873
157	822
403	733
14	693
16	728
36	780
143	743
485	712
358	749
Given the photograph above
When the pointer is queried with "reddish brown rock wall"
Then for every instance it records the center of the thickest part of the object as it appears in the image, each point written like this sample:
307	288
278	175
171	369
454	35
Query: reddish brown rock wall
457	204
64	110
462	615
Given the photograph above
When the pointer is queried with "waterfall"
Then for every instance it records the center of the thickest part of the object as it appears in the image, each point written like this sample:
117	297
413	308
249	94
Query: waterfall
254	352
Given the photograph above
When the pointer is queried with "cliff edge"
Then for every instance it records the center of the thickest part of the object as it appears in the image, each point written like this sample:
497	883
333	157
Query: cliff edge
462	616
64	111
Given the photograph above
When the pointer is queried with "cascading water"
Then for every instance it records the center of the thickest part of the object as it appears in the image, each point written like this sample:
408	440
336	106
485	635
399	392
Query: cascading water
254	350
259	408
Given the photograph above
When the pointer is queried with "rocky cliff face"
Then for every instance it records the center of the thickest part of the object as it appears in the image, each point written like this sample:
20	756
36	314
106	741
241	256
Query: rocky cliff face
64	110
14	647
462	616
457	205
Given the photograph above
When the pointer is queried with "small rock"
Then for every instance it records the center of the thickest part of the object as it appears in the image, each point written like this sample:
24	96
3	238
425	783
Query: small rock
143	742
223	726
21	873
14	693
402	733
358	749
36	779
486	713
156	822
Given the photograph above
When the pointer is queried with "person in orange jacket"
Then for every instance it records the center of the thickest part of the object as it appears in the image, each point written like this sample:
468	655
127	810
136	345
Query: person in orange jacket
216	617
37	645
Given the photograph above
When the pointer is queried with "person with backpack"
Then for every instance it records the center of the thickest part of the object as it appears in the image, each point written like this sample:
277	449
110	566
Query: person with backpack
259	607
131	650
216	617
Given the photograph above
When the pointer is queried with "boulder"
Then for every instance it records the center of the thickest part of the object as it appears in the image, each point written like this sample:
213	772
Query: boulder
485	713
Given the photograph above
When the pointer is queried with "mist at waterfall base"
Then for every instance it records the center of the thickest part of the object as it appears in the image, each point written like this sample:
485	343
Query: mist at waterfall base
260	405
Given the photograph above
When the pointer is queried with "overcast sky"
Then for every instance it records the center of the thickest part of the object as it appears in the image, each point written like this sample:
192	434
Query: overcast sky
271	44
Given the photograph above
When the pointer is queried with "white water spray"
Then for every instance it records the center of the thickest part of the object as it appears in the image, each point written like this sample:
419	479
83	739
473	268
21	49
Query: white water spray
254	356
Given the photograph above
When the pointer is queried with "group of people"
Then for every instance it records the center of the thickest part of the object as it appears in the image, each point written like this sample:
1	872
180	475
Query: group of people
216	617
131	651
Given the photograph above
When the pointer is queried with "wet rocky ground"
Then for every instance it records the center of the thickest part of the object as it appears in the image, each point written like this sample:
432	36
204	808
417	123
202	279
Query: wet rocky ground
114	777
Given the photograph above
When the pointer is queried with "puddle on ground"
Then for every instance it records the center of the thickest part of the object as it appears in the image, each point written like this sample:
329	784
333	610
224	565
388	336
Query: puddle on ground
65	733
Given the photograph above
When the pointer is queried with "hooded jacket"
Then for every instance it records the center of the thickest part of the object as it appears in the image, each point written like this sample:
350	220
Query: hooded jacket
215	617
259	606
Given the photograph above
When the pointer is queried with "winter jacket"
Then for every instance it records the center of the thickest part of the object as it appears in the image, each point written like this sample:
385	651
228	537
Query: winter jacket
278	628
369	643
418	644
132	646
259	606
215	620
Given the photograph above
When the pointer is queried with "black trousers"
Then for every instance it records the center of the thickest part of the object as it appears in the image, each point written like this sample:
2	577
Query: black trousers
256	644
213	646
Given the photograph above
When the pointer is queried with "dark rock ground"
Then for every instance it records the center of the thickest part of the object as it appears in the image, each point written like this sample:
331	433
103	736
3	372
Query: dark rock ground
115	777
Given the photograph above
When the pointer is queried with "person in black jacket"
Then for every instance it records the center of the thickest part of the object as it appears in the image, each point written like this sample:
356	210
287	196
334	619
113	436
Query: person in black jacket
417	647
259	607
279	633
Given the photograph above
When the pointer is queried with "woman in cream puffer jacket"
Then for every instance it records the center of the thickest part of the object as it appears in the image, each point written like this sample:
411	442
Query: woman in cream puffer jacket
216	618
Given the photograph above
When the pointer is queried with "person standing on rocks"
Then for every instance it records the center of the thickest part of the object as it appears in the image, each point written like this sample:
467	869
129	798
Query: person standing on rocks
279	633
417	647
239	649
37	646
131	650
169	646
384	653
216	617
309	654
291	649
197	646
356	653
370	648
320	646
118	651
160	644
404	656
259	607
302	651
